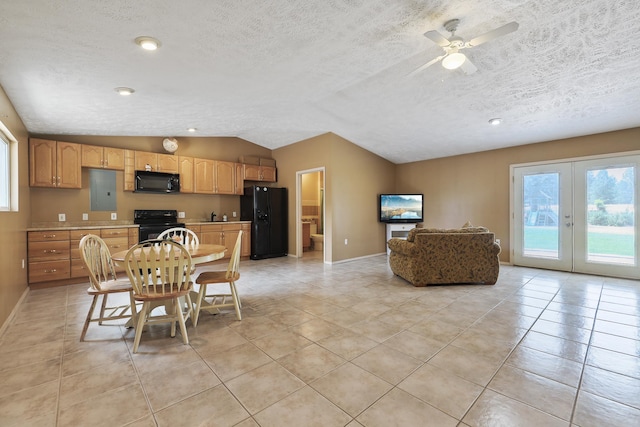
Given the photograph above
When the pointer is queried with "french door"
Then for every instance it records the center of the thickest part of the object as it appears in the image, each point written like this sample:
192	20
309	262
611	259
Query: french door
579	216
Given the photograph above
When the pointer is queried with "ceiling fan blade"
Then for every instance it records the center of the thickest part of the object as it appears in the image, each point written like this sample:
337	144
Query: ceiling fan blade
437	38
427	65
498	32
467	67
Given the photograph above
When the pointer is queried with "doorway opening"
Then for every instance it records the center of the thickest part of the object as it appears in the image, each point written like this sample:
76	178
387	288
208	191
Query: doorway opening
310	213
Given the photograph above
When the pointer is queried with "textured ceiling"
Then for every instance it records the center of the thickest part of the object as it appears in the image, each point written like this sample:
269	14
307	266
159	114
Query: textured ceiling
275	72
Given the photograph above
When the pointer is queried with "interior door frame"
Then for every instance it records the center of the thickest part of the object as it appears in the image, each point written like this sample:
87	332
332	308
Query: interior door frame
599	157
299	174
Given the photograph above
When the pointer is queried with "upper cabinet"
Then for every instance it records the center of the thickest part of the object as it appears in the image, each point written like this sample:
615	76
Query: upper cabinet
94	156
185	169
213	177
259	173
224	177
157	162
54	164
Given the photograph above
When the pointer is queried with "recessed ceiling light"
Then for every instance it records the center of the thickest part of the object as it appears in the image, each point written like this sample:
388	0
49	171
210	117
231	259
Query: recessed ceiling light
192	130
124	91
148	43
495	122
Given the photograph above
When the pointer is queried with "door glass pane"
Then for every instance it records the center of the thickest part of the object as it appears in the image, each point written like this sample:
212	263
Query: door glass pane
540	208
610	215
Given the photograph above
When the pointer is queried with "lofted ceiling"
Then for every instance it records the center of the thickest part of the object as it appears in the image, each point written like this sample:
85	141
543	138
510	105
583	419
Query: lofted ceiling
275	72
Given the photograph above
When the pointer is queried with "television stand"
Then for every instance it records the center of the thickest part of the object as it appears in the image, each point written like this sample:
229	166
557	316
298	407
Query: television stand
399	231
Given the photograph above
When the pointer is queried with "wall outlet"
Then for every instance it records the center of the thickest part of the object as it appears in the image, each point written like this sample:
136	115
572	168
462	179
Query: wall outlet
180	214
346	241
498	241
62	217
234	214
85	217
114	215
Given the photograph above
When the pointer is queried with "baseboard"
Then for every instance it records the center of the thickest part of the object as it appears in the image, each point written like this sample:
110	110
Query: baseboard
6	323
357	258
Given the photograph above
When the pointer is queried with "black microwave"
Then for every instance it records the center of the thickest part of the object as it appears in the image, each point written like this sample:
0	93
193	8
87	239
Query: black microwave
157	182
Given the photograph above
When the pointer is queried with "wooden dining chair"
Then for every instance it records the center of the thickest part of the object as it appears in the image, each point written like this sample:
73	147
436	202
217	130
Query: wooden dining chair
103	282
159	272
181	235
215	301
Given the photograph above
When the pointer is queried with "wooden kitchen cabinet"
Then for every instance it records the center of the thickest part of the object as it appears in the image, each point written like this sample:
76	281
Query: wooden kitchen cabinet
259	173
224	177
203	176
48	255
158	162
225	234
94	156
246	240
78	269
239	184
185	169
54	164
54	255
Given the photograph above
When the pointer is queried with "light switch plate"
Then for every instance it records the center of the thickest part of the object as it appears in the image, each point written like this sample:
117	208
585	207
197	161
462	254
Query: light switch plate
114	215
62	217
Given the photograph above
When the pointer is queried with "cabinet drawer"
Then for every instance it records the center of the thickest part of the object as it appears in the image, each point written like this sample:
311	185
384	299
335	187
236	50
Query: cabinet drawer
79	234
78	269
114	232
46	236
117	244
49	270
47	251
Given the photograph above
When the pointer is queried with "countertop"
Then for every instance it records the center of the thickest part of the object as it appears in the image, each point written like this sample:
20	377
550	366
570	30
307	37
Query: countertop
87	225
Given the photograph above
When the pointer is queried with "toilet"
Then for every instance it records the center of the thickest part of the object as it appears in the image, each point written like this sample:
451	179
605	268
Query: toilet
318	241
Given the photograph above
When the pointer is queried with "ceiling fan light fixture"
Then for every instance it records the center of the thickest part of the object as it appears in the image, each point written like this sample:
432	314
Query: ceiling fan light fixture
192	130
453	60
147	43
495	121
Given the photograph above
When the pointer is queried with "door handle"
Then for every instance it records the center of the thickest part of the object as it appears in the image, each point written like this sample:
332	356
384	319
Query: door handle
568	224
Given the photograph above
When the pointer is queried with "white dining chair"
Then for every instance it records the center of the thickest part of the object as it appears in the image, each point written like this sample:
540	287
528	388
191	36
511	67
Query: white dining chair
182	235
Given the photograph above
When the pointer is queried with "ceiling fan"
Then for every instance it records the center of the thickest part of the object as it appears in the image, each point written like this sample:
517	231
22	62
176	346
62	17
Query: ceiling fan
453	58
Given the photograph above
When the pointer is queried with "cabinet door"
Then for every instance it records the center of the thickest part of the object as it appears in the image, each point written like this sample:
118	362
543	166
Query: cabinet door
113	158
167	163
185	169
224	177
92	156
239	183
230	237
69	165
246	240
211	234
42	163
129	170
268	173
144	158
251	172
203	176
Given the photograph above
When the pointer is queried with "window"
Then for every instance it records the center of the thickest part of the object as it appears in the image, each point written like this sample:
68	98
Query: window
8	170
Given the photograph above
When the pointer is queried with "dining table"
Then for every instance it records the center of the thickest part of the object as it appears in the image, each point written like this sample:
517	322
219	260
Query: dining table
200	254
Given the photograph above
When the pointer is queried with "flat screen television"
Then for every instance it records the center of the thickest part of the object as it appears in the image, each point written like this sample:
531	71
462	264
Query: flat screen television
400	208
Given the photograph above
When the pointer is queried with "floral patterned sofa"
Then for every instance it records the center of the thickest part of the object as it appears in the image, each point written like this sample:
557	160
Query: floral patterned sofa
435	256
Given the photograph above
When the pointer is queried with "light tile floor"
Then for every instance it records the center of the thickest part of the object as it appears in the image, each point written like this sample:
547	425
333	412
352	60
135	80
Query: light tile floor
340	345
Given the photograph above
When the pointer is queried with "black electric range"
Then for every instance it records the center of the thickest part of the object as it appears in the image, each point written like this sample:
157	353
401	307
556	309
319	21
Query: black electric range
154	221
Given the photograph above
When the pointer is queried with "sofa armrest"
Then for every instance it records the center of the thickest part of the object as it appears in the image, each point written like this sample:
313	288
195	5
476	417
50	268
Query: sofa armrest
403	247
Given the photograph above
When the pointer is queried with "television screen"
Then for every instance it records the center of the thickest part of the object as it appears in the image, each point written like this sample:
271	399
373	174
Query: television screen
400	208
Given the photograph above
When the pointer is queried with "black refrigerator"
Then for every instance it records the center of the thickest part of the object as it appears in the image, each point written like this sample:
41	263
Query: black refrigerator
266	208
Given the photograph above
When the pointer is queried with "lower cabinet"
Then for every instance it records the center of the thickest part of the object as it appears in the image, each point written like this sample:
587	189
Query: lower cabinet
224	234
48	255
54	255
